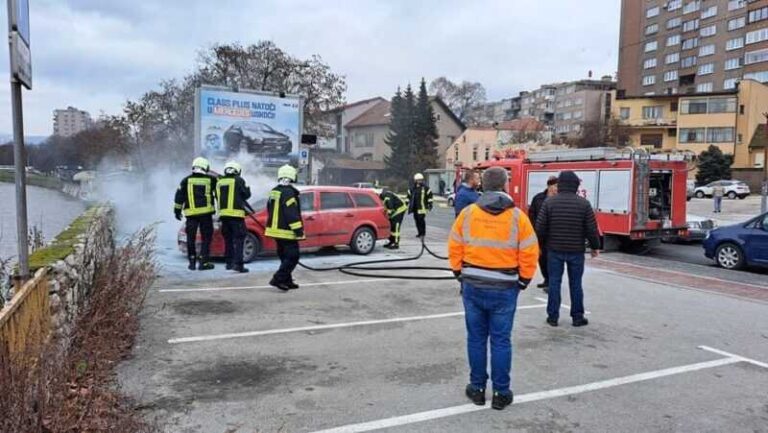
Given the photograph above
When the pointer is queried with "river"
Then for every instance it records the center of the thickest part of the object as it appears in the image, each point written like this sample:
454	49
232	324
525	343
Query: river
49	210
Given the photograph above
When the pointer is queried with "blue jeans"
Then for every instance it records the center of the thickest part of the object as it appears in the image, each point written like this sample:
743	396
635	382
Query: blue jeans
490	313
718	204
557	261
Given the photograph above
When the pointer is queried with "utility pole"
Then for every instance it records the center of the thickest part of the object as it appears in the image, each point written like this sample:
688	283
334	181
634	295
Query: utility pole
764	189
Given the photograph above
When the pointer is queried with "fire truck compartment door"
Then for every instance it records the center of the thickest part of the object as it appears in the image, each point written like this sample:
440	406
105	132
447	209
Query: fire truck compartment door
615	191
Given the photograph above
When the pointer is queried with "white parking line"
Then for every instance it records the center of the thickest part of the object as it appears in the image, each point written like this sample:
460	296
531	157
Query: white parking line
739	357
219	289
542	395
326	327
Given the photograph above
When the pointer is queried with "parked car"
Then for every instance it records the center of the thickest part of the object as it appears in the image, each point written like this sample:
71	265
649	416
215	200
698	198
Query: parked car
369	185
739	245
733	189
333	216
451	199
698	229
258	138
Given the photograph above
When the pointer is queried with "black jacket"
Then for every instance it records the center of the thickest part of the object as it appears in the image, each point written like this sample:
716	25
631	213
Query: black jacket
419	199
196	195
566	220
535	207
284	214
233	195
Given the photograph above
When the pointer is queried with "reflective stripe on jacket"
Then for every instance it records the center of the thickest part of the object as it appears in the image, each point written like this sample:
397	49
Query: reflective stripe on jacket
196	195
394	205
233	194
284	214
420	199
504	244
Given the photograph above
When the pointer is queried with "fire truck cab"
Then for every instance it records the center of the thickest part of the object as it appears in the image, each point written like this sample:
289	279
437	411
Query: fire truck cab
638	197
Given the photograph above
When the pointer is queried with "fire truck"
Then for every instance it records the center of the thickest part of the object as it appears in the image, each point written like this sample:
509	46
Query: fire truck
638	197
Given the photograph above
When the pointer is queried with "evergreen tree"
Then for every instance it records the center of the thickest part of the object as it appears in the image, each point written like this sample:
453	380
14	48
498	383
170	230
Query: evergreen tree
713	165
410	151
397	138
425	132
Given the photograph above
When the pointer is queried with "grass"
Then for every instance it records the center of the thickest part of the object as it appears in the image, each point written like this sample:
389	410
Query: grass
32	179
64	243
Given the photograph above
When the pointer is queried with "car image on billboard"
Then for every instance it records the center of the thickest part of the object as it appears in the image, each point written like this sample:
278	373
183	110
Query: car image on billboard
257	138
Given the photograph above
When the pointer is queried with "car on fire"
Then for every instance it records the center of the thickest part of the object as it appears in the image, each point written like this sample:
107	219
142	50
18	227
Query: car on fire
256	137
739	245
333	216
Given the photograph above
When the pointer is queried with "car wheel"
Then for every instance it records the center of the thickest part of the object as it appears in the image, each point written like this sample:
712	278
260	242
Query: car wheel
732	195
699	194
729	256
363	241
251	247
450	202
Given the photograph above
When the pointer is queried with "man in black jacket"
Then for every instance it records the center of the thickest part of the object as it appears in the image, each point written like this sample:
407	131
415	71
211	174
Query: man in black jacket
564	222
533	213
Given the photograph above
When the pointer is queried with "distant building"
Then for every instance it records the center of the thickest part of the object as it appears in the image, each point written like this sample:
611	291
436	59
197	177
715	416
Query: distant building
335	122
481	143
69	122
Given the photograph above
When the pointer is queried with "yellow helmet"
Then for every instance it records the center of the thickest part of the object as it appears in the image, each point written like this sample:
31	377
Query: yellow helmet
232	167
201	163
287	172
418	176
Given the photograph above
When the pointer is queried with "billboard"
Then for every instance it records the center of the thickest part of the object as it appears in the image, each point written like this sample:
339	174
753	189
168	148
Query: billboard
266	126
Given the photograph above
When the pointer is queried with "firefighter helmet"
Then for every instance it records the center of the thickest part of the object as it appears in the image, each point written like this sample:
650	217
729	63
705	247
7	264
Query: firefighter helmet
233	167
418	177
201	163
287	172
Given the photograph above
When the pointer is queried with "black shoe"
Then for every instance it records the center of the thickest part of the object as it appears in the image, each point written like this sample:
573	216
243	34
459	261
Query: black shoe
292	285
500	401
580	322
476	395
282	286
205	266
552	322
192	264
230	267
544	284
394	247
240	269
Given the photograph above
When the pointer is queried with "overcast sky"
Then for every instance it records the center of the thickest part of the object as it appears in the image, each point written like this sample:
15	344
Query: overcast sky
94	54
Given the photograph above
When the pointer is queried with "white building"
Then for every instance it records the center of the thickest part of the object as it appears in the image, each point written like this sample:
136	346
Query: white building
69	122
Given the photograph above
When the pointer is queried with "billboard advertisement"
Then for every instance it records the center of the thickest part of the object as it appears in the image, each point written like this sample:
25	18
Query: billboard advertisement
263	125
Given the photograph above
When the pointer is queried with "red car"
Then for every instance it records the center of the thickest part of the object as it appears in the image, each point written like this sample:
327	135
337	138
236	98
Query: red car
332	216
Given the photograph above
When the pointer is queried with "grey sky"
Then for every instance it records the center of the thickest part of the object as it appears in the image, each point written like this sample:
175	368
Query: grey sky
94	54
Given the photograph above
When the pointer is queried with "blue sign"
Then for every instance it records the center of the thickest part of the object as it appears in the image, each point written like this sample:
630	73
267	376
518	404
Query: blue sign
22	19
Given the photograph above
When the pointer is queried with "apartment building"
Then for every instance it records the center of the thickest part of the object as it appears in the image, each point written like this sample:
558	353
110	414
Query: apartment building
580	103
69	122
691	46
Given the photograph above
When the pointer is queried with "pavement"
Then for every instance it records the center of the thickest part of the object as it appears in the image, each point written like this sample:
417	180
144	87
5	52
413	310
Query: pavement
225	353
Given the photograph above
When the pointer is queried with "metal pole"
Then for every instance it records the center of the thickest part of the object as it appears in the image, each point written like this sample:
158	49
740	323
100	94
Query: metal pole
19	161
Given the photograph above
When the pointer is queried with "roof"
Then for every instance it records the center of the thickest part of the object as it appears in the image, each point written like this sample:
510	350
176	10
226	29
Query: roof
355	104
760	139
354	164
377	115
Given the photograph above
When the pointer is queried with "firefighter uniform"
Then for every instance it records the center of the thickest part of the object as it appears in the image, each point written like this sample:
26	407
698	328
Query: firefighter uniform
195	198
284	224
419	203
233	194
396	209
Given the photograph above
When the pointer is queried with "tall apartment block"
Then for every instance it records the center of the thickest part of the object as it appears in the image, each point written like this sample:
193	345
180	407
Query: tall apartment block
691	46
69	122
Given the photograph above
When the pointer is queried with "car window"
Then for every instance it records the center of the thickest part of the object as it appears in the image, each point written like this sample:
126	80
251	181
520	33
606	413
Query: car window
763	223
364	200
307	200
335	200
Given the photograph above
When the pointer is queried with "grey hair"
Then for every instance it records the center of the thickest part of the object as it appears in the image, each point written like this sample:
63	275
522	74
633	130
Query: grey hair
495	179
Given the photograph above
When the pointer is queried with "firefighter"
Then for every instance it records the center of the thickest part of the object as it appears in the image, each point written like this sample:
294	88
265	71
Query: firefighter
284	224
195	198
396	209
419	203
233	194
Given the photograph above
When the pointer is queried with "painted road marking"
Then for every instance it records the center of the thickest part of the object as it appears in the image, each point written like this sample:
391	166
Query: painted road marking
542	395
732	355
326	327
218	289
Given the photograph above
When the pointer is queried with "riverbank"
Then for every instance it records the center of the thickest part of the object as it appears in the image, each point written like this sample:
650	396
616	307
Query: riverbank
32	180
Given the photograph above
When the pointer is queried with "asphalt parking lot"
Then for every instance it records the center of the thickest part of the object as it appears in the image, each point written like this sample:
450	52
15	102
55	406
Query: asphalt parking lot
223	353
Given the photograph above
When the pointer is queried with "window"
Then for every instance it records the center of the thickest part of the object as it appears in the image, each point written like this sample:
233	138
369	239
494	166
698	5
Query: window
708	31
734	44
648	64
651	29
652	12
672	58
691	135
688	62
757	36
487	153
734	63
335	200
652	140
456	153
691	25
690	43
674	23
624	113
736	4
758	15
653	112
722	105
758	56
364	200
578	114
704	88
649	80
719	135
692	7
730	83
474	153
706	69
707	50
693	106
673	40
709	12
761	76
651	46
736	23
670	76
674	5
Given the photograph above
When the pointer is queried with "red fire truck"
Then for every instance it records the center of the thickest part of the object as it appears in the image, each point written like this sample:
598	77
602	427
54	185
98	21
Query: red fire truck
638	197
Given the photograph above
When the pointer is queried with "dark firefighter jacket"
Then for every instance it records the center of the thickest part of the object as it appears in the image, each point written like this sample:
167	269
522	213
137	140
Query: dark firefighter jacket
419	199
196	195
394	204
284	214
233	195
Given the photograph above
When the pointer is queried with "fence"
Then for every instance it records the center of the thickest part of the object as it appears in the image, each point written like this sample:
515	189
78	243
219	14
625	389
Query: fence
25	321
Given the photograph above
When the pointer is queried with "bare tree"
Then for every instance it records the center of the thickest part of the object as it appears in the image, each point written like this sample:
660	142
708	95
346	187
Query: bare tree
461	98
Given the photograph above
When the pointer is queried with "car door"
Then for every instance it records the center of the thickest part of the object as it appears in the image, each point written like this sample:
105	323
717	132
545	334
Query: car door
756	242
337	218
310	216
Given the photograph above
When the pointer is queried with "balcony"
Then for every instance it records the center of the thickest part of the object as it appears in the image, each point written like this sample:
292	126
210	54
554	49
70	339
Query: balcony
650	123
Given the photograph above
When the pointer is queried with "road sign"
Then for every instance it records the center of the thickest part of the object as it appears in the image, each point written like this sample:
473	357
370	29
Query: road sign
303	157
19	37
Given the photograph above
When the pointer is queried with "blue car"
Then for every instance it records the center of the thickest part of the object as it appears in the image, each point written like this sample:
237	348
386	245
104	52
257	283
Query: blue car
739	245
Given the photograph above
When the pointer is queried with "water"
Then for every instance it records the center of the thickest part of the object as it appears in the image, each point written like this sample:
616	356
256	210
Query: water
50	211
